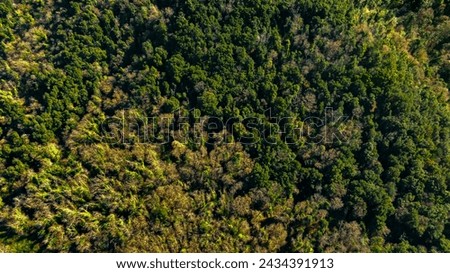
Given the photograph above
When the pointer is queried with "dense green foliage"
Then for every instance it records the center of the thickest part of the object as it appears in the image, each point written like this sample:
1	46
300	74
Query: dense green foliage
73	72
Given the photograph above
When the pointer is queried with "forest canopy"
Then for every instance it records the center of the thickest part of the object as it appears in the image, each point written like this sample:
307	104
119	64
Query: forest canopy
224	126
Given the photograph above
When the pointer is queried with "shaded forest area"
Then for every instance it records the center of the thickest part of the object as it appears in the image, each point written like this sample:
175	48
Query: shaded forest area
66	67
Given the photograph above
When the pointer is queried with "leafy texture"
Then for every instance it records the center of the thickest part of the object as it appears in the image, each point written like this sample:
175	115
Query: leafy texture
174	126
